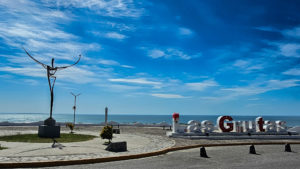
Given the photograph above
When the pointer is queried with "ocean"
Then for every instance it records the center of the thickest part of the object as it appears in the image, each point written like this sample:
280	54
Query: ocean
127	119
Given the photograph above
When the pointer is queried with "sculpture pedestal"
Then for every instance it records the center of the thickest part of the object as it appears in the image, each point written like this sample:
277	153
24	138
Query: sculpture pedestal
49	129
116	131
117	146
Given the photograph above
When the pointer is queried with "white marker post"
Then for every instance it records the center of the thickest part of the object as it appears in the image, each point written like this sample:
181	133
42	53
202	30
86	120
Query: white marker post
175	122
106	112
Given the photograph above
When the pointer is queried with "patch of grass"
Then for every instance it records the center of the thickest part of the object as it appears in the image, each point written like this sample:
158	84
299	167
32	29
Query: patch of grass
34	138
2	148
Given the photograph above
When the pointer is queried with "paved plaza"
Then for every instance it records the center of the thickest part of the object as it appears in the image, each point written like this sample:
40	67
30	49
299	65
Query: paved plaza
39	152
232	157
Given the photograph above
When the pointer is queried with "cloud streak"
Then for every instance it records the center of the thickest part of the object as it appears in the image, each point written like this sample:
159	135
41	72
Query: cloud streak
142	81
36	27
264	87
293	72
169	53
113	63
168	96
293	33
200	86
110	35
112	8
185	32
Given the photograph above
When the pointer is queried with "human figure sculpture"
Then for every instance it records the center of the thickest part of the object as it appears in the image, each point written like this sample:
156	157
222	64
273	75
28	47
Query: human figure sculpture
51	70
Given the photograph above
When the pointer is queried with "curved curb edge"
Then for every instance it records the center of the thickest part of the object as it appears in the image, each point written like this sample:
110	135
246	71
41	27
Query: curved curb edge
127	157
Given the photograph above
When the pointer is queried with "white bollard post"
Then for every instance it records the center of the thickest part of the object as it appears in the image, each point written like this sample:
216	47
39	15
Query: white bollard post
175	122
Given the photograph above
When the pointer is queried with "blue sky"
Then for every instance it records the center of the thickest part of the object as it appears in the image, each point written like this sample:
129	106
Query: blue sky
152	57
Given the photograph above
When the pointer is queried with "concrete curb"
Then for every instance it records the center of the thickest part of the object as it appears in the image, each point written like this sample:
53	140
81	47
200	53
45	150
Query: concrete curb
128	157
228	137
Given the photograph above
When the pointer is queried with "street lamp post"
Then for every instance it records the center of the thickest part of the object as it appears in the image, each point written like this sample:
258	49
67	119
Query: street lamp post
74	107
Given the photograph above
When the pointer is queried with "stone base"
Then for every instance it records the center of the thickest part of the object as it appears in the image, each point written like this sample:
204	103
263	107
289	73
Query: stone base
116	131
49	122
49	131
117	146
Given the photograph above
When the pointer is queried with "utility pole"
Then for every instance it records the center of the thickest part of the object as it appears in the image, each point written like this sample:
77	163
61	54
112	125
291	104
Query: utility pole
74	107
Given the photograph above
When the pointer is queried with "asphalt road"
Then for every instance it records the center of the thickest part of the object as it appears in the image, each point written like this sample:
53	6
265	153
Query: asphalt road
268	156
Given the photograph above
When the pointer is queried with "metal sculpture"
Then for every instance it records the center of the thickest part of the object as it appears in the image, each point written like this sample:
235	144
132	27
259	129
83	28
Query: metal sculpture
74	107
51	70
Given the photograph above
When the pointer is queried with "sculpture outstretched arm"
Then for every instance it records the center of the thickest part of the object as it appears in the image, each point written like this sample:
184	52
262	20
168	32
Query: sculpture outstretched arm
75	94
63	67
45	66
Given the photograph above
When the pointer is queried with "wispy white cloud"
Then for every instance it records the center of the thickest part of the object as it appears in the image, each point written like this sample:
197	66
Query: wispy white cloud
248	66
136	81
18	58
121	88
241	63
294	72
267	28
37	28
110	35
31	82
34	71
58	50
156	53
244	59
78	74
113	63
285	47
115	35
117	26
112	8
254	99
168	96
290	49
74	74
169	53
200	86
250	91
127	66
190	76
288	33
293	33
259	88
185	31
6	76
108	62
23	8
22	30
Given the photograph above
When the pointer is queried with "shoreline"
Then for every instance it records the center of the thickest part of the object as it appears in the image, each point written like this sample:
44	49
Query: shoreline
138	124
18	119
